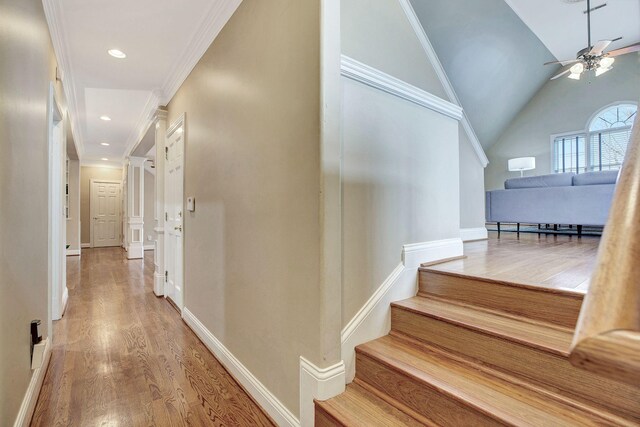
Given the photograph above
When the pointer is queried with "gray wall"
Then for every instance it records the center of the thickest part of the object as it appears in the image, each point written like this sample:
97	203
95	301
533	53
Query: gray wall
27	65
562	105
471	185
252	161
149	209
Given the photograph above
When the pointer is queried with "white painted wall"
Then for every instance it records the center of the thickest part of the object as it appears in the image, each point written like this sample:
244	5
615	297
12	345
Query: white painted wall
562	105
471	185
149	209
73	222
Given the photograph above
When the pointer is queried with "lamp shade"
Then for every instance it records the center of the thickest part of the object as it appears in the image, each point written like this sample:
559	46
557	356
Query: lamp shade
522	164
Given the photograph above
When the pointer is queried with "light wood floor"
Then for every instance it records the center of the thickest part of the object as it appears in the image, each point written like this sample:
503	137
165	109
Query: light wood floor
553	261
123	357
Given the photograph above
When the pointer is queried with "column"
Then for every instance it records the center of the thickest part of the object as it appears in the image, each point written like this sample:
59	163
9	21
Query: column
135	207
160	119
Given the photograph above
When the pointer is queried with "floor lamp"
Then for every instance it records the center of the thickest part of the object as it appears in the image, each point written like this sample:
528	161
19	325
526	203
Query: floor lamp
522	164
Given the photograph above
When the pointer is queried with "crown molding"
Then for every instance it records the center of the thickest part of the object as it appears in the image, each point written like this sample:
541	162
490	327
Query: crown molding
208	29
55	21
375	78
442	76
145	121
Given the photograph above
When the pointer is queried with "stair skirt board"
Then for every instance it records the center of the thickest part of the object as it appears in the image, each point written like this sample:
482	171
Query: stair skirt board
373	320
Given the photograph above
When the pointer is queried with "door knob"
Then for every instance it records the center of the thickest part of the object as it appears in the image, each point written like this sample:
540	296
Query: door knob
179	228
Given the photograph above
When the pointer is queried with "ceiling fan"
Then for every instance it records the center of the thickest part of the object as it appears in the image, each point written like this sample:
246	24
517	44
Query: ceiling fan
593	57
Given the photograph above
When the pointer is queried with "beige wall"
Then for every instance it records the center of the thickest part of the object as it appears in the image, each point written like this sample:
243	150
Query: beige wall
562	105
252	163
73	222
27	65
149	209
87	173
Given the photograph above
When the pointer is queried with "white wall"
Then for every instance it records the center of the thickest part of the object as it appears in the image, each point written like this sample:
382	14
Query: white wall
400	185
149	209
562	105
472	198
73	222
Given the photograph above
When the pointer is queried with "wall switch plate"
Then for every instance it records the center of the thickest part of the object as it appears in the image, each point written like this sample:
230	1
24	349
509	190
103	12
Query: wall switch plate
191	204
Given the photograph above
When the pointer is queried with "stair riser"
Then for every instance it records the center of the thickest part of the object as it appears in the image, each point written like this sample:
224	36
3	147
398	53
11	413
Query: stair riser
543	367
429	402
560	308
322	419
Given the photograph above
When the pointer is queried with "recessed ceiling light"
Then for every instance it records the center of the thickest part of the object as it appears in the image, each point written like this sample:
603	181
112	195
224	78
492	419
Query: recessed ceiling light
104	159
105	118
117	53
104	143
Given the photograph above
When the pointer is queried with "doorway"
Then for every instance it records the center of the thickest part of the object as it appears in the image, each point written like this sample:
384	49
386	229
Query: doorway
58	293
173	199
104	208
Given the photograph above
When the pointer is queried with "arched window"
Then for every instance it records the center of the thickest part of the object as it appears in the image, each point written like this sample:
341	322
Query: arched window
601	146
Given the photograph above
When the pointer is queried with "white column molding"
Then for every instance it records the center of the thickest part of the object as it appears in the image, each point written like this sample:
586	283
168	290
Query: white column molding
135	207
160	123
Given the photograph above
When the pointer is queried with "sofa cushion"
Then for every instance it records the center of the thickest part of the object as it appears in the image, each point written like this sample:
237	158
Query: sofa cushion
551	180
596	178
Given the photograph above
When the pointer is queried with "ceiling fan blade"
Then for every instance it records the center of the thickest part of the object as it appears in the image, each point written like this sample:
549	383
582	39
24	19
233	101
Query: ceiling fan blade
599	47
566	61
627	49
568	70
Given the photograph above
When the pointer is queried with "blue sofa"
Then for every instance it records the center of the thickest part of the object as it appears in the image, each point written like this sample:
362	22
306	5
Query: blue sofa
563	198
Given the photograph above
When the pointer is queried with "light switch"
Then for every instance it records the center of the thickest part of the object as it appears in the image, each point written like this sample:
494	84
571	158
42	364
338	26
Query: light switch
191	204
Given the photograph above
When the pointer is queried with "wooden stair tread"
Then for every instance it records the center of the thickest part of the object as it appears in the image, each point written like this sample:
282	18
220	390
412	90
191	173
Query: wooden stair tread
505	401
553	339
359	407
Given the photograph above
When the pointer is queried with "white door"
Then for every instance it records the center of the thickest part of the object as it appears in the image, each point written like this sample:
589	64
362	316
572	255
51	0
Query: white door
105	213
173	199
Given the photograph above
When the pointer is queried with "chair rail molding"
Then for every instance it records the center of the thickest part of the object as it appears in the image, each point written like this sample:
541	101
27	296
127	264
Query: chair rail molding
442	76
377	79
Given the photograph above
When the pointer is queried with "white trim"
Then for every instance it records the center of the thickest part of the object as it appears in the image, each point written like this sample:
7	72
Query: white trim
417	253
149	247
145	121
73	252
470	234
373	320
55	21
208	29
65	300
442	76
101	164
600	110
33	390
267	400
377	79
318	383
85	245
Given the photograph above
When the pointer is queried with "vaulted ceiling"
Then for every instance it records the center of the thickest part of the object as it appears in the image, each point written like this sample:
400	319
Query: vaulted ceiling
493	50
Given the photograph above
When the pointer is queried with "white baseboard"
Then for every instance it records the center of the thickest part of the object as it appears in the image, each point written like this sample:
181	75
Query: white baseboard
65	300
149	247
373	320
85	245
469	234
318	383
73	252
33	390
267	400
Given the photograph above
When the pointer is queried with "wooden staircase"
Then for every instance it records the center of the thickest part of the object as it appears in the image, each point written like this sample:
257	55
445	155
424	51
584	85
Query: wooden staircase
470	351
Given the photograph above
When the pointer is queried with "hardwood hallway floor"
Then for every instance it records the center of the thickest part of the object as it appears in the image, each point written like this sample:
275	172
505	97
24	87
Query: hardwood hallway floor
123	357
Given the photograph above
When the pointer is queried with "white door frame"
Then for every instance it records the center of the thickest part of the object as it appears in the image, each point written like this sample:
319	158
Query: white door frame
91	208
58	293
180	122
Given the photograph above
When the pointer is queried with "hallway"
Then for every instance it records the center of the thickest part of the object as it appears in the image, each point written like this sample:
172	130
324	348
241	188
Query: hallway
123	357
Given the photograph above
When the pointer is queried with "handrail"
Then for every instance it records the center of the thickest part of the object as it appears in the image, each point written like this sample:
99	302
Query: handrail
607	337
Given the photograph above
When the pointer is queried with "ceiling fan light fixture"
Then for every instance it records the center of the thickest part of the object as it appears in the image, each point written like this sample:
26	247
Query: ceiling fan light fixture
577	69
602	70
574	76
607	62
